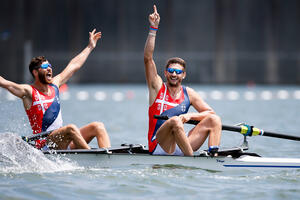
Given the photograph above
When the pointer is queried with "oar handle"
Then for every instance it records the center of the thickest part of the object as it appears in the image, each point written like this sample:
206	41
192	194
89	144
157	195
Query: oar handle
36	136
243	129
164	117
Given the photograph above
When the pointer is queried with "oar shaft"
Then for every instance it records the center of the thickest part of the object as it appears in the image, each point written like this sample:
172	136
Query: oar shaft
283	136
36	136
244	129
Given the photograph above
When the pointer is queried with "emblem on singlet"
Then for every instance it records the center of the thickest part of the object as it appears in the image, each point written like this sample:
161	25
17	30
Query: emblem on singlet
183	108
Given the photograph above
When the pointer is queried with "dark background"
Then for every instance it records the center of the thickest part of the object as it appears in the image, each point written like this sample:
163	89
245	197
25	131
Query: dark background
222	41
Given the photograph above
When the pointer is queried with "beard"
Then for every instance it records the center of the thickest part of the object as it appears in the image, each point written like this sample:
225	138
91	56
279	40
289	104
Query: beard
43	79
174	84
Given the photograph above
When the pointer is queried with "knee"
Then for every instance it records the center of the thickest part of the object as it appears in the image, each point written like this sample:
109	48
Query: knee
213	120
72	129
98	127
176	123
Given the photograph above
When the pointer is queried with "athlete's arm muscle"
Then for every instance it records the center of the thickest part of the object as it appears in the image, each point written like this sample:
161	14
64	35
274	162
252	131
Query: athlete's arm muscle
22	91
199	104
154	81
76	63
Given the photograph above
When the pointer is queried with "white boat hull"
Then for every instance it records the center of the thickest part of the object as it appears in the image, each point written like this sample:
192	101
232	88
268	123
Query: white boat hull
208	163
110	159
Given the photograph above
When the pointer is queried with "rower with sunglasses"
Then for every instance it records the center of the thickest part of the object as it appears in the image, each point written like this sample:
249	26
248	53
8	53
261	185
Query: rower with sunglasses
42	105
172	99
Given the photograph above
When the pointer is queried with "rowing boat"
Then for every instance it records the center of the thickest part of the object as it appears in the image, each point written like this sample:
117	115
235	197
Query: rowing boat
126	155
227	159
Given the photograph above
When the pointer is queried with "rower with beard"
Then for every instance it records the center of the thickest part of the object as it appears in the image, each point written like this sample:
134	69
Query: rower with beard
172	99
42	105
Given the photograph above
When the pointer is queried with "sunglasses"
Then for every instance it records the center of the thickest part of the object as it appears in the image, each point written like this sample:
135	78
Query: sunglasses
172	70
46	65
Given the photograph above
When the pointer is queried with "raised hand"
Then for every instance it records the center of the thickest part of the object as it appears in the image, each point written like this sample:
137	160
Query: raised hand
94	37
154	18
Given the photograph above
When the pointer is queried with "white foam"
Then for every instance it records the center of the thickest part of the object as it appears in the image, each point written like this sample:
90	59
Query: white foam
16	156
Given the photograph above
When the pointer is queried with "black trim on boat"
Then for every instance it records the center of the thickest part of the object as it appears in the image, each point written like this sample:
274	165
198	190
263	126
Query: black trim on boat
128	149
235	152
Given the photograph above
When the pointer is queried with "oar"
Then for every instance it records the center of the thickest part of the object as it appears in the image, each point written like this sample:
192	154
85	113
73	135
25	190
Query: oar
36	136
243	129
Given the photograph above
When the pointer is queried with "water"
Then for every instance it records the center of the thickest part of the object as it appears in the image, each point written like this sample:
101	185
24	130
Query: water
25	173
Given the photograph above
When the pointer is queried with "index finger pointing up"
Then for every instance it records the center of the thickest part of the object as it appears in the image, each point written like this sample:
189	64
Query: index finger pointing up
154	8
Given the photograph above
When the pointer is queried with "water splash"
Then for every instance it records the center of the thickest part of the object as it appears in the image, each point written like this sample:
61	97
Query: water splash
17	156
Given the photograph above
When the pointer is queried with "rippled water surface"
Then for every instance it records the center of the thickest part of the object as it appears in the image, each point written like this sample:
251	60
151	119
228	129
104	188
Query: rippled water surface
25	173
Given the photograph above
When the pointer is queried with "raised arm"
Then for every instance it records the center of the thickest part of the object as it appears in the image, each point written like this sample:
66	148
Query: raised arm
154	81
22	91
76	63
19	90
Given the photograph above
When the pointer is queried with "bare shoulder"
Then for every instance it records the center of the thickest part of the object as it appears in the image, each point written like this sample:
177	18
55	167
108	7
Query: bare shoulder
197	101
56	80
26	87
27	90
20	90
193	95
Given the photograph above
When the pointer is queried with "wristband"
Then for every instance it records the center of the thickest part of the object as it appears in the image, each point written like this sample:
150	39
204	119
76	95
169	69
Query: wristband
152	34
153	28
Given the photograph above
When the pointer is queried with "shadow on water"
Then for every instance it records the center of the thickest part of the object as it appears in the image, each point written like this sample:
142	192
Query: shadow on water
171	166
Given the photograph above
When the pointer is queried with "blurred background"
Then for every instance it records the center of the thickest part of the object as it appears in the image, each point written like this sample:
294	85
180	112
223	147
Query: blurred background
223	42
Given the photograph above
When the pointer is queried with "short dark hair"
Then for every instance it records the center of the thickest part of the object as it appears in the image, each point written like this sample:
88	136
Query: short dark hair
36	63
175	60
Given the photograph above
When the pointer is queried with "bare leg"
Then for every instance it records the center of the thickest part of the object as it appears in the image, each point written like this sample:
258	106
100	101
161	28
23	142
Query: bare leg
172	133
61	138
92	130
210	126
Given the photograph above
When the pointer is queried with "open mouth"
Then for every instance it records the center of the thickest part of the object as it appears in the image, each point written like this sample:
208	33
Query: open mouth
49	75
